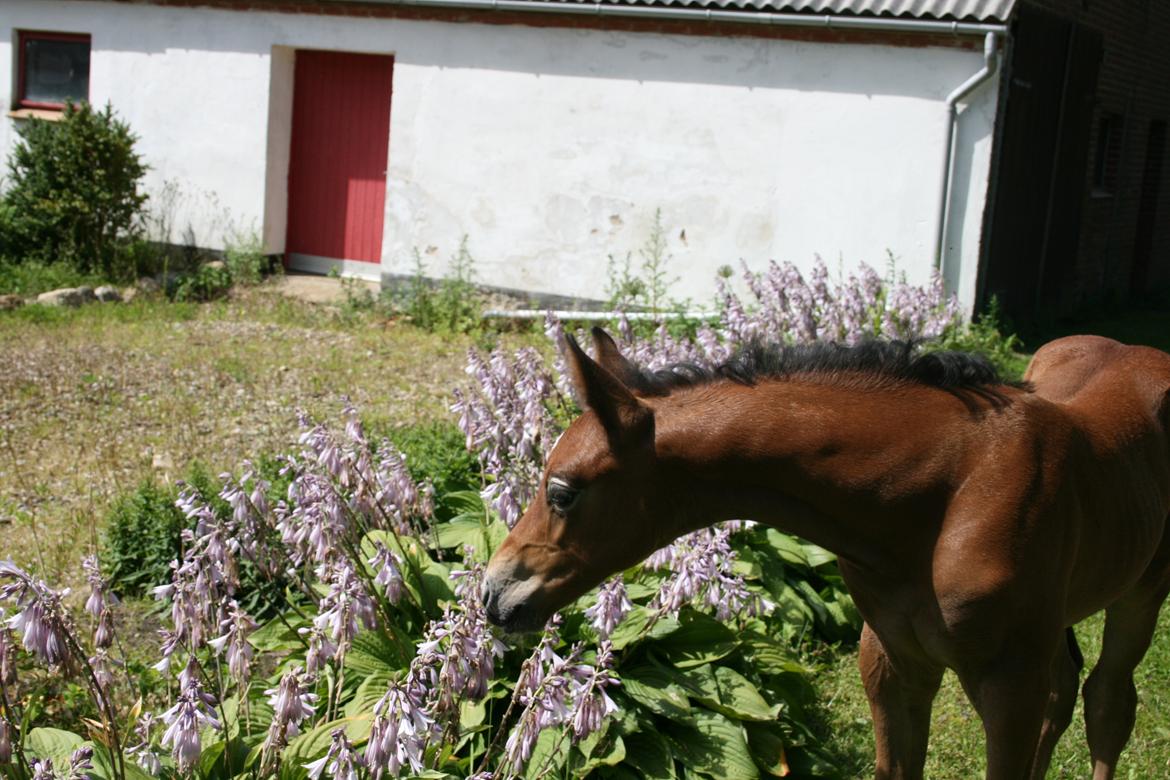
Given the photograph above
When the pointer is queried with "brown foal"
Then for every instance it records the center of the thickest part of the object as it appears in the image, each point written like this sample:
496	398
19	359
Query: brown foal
974	521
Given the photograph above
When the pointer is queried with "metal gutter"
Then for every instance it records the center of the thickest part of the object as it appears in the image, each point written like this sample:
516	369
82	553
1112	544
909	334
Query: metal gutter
822	21
990	65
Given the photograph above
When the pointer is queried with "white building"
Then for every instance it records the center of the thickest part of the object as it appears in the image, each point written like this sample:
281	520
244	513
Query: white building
780	129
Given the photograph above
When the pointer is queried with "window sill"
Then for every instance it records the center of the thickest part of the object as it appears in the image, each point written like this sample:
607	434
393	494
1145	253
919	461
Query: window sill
37	113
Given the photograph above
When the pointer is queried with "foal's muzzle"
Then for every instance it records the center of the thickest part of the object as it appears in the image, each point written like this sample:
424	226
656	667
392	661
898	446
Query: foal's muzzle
508	602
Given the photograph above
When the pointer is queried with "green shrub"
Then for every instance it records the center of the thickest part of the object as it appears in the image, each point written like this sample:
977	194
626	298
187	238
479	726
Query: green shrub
206	283
74	191
245	259
985	335
450	305
142	538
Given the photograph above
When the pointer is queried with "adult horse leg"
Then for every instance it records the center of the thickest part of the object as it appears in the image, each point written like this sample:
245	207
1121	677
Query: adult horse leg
1066	675
901	692
1110	695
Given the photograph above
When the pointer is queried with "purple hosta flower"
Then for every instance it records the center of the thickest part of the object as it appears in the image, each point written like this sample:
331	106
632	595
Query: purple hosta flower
701	564
321	648
506	420
43	769
457	657
591	703
99	596
5	741
399	498
103	635
80	763
556	691
388	566
322	448
250	514
401	729
342	761
318	522
293	702
610	608
345	608
191	713
143	752
42	620
234	642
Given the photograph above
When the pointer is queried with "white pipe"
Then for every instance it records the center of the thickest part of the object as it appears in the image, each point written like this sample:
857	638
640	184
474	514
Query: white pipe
827	21
594	316
990	62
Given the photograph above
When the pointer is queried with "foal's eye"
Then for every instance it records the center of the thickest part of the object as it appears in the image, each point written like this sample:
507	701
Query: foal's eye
561	497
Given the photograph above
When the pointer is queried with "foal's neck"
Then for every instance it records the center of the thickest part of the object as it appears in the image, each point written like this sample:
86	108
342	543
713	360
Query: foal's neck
849	467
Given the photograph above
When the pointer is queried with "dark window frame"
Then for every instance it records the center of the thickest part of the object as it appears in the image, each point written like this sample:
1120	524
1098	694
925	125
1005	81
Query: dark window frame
22	37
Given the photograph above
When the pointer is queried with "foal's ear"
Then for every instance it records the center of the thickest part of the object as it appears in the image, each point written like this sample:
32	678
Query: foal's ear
623	417
612	360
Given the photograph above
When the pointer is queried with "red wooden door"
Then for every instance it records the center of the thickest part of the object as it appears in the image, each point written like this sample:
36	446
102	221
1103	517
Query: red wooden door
337	163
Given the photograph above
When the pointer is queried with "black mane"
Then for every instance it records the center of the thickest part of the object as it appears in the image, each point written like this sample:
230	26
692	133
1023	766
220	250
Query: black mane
874	360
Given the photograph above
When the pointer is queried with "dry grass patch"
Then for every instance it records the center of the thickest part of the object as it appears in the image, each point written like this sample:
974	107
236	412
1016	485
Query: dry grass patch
94	400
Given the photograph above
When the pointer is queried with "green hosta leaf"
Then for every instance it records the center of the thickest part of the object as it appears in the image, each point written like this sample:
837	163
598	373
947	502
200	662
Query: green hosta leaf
727	691
766	744
817	556
769	656
649	753
373	652
549	754
472	713
655	689
634	624
56	744
251	721
609	751
474	529
275	636
465	502
710	743
700	639
370	691
789	548
223	759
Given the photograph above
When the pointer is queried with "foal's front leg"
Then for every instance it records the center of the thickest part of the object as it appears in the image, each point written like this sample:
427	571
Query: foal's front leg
901	692
1011	696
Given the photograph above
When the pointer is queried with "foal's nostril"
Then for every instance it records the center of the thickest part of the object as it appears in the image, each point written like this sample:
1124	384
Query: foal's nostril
491	602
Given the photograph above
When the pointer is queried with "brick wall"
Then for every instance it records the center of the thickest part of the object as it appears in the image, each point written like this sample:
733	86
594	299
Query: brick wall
1134	83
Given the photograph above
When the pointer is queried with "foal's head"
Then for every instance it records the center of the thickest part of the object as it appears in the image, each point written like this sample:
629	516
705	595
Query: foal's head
597	508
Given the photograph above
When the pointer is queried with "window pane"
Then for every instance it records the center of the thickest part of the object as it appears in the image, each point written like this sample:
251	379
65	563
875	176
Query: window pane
55	71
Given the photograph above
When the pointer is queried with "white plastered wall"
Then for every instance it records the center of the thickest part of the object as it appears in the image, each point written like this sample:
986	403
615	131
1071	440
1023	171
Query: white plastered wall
551	149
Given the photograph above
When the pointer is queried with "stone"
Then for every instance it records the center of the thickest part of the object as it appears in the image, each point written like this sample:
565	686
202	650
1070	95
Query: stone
66	296
9	302
86	293
217	265
129	294
108	294
146	284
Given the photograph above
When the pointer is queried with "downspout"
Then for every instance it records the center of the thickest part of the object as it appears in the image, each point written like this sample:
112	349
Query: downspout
990	63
